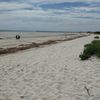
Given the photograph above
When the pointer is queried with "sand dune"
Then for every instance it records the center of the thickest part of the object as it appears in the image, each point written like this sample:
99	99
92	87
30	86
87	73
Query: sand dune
51	73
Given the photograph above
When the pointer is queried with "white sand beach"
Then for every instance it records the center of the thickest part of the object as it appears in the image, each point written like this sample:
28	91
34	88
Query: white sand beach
9	40
52	72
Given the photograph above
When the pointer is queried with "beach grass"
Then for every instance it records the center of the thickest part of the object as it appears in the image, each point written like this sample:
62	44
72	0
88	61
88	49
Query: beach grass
96	37
91	49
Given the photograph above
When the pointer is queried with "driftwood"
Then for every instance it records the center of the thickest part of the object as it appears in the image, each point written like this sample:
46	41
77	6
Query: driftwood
87	90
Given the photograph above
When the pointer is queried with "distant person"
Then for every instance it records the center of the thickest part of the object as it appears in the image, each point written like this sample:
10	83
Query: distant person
17	37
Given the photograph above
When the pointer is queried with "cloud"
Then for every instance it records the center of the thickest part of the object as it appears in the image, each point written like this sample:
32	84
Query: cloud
13	6
50	14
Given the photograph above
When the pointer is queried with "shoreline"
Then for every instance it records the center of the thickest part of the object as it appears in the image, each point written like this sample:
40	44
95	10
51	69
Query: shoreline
37	45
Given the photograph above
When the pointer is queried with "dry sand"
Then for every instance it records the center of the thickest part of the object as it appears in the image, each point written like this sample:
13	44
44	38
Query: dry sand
12	42
50	73
13	45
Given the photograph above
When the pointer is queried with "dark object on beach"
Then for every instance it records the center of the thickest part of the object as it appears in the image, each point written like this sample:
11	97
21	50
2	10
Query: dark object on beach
1	38
18	48
17	37
22	97
49	42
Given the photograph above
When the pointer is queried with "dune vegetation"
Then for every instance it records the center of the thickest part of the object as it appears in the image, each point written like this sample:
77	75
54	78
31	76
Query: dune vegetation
91	49
96	37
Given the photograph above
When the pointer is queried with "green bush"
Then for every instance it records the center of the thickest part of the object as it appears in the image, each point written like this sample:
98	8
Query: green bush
84	56
96	37
97	32
91	49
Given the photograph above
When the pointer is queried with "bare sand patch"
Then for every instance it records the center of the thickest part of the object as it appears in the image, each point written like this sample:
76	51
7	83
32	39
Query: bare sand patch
51	73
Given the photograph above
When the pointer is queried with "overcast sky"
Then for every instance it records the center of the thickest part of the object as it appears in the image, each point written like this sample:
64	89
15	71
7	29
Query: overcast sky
50	15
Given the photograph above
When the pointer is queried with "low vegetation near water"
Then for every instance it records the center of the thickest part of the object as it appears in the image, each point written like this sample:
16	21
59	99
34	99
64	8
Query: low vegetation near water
97	32
91	49
96	37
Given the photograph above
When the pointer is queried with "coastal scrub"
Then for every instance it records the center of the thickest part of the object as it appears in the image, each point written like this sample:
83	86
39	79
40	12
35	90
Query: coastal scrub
91	49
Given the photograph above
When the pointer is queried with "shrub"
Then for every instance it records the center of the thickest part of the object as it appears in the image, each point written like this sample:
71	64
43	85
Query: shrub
97	32
91	49
84	56
96	37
